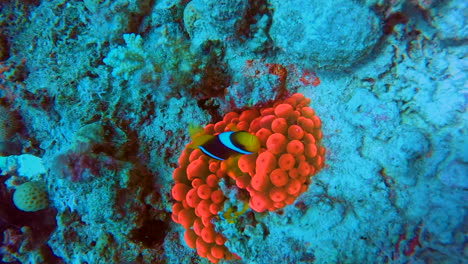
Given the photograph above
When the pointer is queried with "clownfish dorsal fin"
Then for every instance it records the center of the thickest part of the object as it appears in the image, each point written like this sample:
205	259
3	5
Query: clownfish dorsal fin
198	136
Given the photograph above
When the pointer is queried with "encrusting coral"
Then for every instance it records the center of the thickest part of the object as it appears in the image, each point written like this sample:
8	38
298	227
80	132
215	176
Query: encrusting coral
290	153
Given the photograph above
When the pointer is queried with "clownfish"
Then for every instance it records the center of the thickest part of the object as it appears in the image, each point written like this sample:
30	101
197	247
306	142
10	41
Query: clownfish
224	145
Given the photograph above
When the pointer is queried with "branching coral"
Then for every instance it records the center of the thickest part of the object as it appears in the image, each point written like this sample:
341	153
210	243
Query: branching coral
126	60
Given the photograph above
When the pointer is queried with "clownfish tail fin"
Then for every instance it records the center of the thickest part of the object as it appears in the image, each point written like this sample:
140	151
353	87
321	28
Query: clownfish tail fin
198	136
194	130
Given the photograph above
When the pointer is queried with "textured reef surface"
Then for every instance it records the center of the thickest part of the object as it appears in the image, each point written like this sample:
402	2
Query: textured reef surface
357	110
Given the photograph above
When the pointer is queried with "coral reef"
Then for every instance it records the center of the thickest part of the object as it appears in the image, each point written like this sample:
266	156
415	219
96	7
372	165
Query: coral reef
96	97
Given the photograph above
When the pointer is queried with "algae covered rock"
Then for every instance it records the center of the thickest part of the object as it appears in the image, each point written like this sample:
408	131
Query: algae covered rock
319	33
213	20
9	124
451	20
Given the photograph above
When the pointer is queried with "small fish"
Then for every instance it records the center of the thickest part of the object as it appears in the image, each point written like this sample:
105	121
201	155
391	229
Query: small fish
224	145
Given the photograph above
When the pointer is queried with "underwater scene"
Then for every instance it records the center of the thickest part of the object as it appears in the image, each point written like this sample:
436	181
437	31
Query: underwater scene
233	131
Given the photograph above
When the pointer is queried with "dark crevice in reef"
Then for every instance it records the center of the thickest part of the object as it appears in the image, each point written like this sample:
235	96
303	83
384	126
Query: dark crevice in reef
255	11
151	233
135	22
392	20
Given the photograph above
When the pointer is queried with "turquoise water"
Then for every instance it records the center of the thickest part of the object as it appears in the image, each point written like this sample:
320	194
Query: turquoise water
96	97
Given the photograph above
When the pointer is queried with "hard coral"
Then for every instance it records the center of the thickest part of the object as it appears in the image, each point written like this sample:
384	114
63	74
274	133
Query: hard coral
126	60
30	197
290	154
